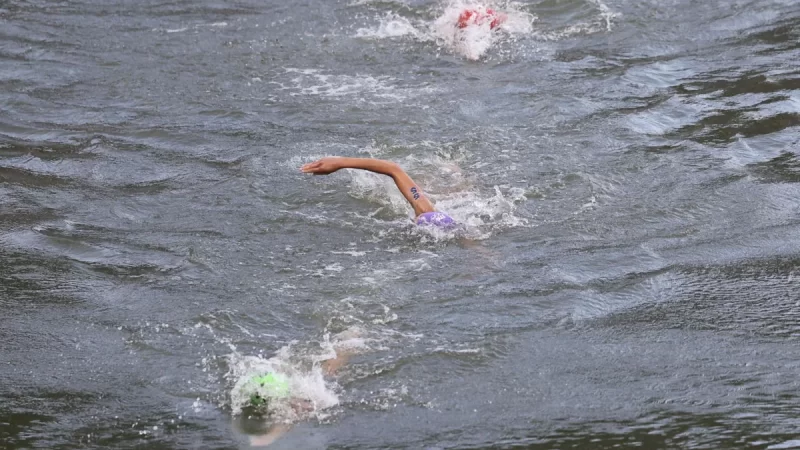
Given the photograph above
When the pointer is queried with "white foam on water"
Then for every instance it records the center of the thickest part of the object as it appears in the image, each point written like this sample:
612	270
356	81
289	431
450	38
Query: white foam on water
794	443
356	316
378	89
353	253
606	15
482	213
391	25
457	351
314	82
361	2
196	26
667	117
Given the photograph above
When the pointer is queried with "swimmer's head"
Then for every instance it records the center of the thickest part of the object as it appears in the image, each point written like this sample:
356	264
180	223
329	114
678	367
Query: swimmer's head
478	16
265	387
436	219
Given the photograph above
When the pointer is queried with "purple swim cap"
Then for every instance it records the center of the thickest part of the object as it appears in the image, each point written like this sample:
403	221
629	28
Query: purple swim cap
436	219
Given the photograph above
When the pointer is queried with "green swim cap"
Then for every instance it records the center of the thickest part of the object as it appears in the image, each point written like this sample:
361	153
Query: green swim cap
271	385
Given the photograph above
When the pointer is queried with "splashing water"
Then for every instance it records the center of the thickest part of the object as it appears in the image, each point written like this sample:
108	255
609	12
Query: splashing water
379	189
474	40
391	25
479	212
307	387
447	187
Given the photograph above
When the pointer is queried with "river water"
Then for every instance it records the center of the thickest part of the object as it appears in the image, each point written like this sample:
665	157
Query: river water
626	173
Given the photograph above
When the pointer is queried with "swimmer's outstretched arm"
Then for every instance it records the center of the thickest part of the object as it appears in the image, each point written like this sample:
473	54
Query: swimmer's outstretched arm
407	187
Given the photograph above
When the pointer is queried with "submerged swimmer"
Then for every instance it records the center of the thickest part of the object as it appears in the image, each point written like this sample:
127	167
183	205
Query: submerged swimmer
273	389
424	211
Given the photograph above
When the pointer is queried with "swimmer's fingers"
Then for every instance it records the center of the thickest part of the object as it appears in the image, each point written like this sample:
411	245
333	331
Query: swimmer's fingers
320	167
315	167
310	167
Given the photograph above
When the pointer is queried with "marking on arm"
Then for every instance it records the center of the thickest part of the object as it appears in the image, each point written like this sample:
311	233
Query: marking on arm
415	193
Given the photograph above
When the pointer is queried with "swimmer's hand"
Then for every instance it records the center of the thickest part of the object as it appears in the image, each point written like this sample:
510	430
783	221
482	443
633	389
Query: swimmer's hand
323	166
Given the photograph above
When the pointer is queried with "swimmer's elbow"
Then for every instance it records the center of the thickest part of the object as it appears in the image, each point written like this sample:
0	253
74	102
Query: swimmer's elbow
393	169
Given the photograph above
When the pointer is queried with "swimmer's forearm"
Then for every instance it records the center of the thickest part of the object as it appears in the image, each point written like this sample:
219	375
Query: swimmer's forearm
331	164
373	165
404	183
